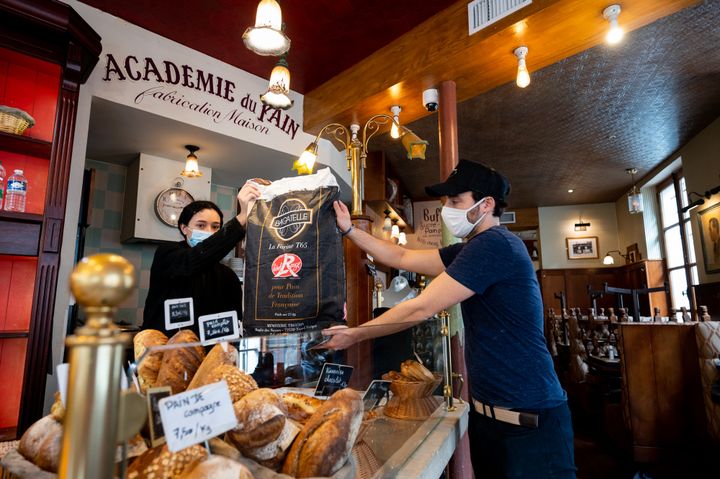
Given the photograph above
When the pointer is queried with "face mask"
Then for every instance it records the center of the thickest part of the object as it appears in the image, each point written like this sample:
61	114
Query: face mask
456	220
197	237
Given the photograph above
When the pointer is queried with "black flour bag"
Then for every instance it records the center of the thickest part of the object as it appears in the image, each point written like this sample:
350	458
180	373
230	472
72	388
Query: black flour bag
294	269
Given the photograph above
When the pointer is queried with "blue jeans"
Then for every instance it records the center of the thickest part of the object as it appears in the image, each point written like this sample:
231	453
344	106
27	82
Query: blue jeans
502	450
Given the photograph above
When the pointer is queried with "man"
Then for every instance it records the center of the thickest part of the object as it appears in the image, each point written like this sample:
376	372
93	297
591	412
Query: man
520	424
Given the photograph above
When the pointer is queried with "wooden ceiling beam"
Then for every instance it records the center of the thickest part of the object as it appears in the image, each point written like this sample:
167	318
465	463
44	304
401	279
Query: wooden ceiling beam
440	49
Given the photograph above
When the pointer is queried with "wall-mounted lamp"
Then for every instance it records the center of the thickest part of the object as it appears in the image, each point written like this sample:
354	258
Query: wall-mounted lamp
608	259
356	150
635	201
615	34
192	169
395	128
701	198
387	222
278	90
267	37
523	76
582	225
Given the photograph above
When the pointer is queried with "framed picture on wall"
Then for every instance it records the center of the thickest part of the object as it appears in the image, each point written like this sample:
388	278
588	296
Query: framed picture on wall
709	223
582	248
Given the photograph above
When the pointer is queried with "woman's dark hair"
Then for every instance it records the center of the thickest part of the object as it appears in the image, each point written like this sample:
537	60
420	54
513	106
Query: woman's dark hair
193	208
500	205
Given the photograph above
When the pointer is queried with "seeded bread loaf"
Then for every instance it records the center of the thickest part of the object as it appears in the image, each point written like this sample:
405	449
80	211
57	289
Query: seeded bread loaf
218	467
216	357
159	462
238	382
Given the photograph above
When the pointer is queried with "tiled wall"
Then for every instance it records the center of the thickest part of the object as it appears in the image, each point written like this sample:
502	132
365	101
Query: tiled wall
103	235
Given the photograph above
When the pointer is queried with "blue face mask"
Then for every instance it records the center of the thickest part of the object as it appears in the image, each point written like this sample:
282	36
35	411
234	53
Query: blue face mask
197	237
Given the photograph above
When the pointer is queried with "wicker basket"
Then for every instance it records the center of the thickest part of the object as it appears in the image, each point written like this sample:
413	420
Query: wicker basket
14	121
413	399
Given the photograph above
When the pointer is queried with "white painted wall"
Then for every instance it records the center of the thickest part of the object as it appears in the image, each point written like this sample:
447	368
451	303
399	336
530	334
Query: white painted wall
557	224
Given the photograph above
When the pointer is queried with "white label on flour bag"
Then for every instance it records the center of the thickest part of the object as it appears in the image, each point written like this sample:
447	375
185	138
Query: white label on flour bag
197	415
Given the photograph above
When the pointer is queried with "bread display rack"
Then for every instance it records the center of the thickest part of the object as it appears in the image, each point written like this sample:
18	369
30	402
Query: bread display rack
281	432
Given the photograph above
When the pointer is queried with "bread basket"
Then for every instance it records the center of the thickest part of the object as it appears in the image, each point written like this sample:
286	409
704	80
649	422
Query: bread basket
413	399
15	121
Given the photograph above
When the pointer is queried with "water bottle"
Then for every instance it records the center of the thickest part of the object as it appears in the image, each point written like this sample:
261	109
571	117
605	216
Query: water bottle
2	183
15	192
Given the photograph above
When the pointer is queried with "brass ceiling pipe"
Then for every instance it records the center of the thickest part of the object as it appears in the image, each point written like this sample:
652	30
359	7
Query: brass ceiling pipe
98	283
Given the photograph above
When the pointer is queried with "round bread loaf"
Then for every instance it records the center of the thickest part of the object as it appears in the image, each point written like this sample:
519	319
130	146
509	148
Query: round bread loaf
218	467
159	462
150	365
238	382
261	416
300	406
180	365
215	358
273	454
41	443
325	443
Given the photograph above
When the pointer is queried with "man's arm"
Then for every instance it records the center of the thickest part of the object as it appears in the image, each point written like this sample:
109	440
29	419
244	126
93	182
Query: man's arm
426	261
442	293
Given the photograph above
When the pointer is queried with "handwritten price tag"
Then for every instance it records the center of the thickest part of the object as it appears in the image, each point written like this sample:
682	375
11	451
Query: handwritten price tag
216	328
197	415
333	377
179	313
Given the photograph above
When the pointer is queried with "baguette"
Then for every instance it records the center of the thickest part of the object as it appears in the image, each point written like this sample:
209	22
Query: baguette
216	357
326	441
150	365
180	365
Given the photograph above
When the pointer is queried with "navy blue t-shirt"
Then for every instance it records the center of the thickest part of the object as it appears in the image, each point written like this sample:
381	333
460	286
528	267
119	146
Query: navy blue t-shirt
505	352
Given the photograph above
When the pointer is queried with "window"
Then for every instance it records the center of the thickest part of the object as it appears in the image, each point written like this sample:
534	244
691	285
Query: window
678	239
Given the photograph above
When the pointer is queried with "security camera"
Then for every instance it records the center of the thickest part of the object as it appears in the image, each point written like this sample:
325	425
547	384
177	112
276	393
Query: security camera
430	99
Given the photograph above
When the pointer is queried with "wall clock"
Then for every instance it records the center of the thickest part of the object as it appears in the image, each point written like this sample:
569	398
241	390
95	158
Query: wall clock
170	202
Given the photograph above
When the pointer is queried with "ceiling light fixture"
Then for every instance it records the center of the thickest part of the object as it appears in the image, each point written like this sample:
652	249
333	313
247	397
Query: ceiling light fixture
402	239
267	37
395	128
192	169
615	34
570	190
278	90
523	77
635	201
608	259
395	230
387	222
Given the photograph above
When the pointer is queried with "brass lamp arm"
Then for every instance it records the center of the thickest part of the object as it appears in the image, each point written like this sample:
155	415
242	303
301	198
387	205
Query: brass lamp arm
372	126
336	130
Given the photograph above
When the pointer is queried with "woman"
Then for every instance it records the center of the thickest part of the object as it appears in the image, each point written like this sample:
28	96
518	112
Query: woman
191	267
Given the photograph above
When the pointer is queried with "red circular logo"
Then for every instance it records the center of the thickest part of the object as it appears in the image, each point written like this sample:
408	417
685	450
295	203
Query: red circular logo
286	265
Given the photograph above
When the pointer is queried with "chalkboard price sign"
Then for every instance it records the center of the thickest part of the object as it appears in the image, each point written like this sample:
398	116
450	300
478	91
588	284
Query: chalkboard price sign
377	390
215	328
179	313
153	396
333	377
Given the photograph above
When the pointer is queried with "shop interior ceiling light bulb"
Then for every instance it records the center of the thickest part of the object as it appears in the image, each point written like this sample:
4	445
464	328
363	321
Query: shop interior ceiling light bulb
635	201
267	37
402	238
394	130
395	231
278	90
523	76
615	34
192	169
387	222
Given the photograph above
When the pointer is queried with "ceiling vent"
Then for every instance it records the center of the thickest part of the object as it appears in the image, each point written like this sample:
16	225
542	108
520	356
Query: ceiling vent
507	218
482	13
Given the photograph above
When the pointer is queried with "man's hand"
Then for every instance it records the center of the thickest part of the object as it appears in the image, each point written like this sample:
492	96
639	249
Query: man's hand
248	194
342	337
342	216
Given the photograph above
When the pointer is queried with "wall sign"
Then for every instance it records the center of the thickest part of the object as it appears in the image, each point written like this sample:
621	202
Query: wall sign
428	227
153	397
216	328
197	415
333	377
179	313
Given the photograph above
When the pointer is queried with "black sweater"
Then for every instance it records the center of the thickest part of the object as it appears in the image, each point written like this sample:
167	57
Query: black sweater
180	271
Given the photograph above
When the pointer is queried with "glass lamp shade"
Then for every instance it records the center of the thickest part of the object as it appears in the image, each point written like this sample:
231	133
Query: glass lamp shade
608	259
395	231
581	226
192	170
402	239
387	224
304	164
266	37
635	202
394	130
414	146
277	94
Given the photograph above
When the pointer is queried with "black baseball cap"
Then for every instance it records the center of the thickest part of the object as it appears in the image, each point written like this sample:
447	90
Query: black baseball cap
471	176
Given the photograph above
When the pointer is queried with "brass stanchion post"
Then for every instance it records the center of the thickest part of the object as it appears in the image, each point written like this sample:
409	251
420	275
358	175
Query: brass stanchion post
445	332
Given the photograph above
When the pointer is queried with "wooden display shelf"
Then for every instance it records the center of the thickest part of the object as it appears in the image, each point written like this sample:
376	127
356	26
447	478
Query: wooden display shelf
24	145
14	334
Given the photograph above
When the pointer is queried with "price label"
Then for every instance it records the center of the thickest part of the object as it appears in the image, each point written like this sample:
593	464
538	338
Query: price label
333	377
216	328
197	415
179	313
377	390
153	396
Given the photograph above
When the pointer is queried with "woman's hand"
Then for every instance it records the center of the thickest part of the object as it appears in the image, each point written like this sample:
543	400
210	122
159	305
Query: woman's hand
342	216
247	195
341	337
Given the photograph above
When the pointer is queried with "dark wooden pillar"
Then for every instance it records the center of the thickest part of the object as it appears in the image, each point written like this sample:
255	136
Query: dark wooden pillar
460	466
358	287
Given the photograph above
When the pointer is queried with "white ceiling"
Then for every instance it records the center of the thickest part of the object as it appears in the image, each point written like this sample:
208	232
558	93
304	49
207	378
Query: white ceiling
118	133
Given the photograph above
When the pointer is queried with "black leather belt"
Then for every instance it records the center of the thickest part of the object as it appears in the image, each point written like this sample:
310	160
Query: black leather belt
506	415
